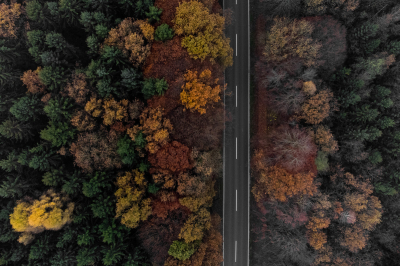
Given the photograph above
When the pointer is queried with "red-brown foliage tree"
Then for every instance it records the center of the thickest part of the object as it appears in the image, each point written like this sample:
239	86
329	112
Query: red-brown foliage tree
32	82
158	233
174	157
96	151
200	131
292	148
332	35
169	53
166	202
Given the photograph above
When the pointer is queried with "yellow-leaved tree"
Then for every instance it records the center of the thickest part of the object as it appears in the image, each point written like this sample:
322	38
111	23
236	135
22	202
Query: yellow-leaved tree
51	212
131	205
200	90
195	226
203	33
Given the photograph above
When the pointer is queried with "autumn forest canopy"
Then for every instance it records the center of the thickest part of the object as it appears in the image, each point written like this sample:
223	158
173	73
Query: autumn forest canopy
111	131
325	132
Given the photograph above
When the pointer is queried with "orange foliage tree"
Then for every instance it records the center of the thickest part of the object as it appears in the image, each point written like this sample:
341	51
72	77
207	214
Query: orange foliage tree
154	126
32	82
197	90
9	14
131	205
83	121
279	184
115	111
353	238
316	108
353	205
129	38
51	212
174	157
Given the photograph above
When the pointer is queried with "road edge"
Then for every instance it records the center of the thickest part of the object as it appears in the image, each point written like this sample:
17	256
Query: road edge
223	168
248	135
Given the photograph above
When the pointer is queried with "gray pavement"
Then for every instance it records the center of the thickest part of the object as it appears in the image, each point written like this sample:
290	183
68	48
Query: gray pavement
236	141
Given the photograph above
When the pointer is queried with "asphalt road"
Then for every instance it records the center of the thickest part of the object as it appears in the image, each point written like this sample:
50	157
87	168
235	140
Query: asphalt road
236	140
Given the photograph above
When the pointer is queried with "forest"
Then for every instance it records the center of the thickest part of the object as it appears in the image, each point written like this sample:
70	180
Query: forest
111	130
325	141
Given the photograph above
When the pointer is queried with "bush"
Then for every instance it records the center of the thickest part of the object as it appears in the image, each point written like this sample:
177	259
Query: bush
58	133
163	32
26	108
58	109
152	86
52	77
181	250
375	157
126	150
321	161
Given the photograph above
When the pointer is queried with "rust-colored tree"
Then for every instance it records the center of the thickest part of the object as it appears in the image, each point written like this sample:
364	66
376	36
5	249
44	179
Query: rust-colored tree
197	91
190	185
174	157
96	151
32	82
279	184
165	202
201	131
292	148
78	89
167	60
157	234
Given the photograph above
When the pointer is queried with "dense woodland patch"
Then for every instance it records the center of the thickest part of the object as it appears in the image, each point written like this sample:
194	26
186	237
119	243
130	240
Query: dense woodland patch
110	131
325	161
